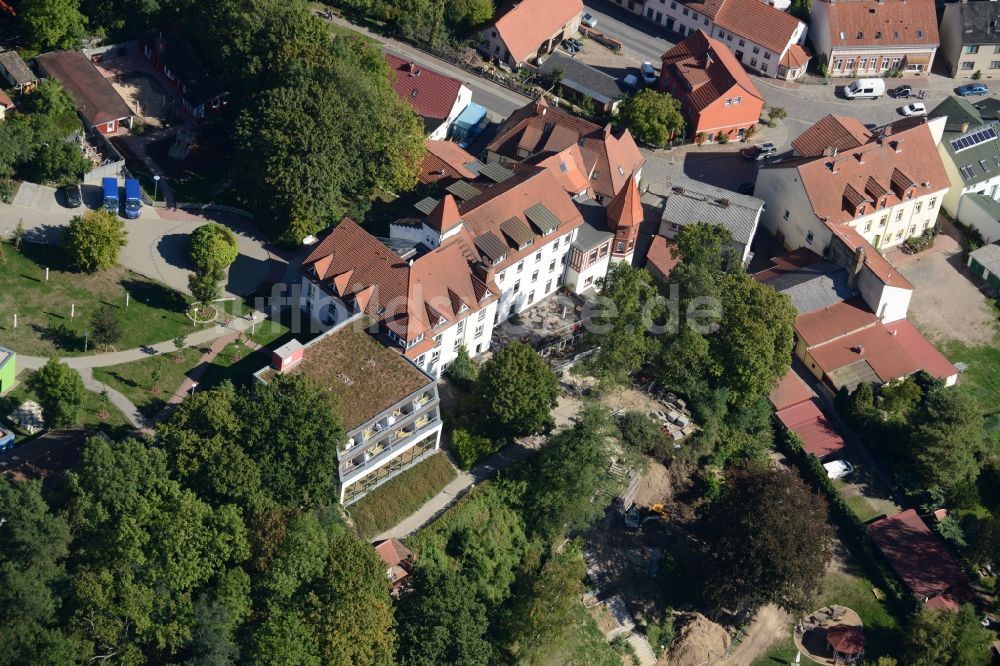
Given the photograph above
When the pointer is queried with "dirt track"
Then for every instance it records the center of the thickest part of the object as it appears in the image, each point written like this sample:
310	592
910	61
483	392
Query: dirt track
769	627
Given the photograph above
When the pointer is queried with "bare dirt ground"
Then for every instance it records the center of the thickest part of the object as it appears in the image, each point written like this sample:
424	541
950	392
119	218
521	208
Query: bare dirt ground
769	627
945	303
143	93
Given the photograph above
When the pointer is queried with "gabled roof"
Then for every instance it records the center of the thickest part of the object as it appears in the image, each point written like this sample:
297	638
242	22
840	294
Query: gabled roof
707	69
445	215
95	97
447	160
660	258
812	287
917	554
971	137
5	101
831	132
528	23
834	321
795	57
885	23
539	128
907	155
690	201
758	22
431	94
807	421
568	167
393	552
17	68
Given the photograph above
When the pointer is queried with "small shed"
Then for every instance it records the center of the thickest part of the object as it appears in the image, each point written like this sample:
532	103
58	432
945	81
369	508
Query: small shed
16	71
846	642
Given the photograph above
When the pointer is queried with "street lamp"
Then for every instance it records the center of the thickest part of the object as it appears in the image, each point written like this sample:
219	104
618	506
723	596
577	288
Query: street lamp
194	385
156	186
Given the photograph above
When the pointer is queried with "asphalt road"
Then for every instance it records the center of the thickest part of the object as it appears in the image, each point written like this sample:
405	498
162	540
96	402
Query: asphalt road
641	39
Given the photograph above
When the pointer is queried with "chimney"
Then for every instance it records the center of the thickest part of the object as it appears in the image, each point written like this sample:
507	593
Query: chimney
709	57
833	166
859	262
964	128
412	67
723	203
860	349
861	157
897	145
607	130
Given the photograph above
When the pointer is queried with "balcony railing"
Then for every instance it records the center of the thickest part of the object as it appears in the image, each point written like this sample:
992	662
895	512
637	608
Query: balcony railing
383	450
377	429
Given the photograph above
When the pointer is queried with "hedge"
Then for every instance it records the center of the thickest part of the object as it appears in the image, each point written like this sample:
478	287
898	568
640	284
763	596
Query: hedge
850	526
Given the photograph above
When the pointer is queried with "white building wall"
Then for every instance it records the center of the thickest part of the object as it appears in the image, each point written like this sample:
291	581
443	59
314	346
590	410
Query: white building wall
473	332
970	213
462	100
521	288
364	470
587	279
889	303
892	225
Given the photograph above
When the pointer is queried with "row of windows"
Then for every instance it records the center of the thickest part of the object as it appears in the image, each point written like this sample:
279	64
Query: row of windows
994	64
899	214
975	49
878	34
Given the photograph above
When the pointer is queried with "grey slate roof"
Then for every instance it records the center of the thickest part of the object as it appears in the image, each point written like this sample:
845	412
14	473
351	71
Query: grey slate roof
17	68
813	287
988	256
980	22
583	78
594	229
691	201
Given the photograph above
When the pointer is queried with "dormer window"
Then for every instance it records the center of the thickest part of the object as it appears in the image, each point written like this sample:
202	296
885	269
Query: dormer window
441	320
486	295
463	307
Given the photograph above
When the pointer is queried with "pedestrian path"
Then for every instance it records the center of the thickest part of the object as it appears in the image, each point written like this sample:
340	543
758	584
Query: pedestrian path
124	405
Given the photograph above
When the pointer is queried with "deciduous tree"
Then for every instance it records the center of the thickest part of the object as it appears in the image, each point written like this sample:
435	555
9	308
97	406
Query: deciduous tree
52	24
93	240
653	117
767	542
945	638
213	246
105	326
517	391
60	392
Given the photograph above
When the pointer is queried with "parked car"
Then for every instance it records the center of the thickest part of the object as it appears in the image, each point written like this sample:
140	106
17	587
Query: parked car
902	92
915	109
570	45
865	89
759	152
648	73
972	89
630	81
74	199
838	469
589	20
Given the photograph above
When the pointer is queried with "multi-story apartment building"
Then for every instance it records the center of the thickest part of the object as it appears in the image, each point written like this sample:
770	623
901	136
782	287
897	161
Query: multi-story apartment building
970	149
763	38
970	38
868	38
388	406
883	191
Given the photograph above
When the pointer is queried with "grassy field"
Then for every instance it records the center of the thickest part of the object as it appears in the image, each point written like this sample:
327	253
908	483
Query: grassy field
44	326
95	412
398	498
135	380
882	628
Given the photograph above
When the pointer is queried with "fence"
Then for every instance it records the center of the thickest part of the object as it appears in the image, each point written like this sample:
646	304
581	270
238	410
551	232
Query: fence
110	162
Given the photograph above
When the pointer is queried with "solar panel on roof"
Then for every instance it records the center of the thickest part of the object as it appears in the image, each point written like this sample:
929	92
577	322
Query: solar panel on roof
974	138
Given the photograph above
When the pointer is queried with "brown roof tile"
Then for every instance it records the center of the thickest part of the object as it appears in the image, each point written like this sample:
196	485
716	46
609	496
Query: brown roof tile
758	22
888	23
530	22
625	210
796	57
835	321
830	131
95	97
445	160
431	94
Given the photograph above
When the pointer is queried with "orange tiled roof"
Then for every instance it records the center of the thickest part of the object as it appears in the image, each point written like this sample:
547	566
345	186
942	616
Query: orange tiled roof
887	23
758	22
538	128
445	159
568	167
708	69
625	210
393	552
834	321
431	94
660	257
875	345
529	23
831	131
795	57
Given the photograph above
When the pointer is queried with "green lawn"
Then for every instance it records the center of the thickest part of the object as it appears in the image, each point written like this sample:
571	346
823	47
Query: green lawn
95	413
585	644
135	380
882	629
44	325
396	499
982	379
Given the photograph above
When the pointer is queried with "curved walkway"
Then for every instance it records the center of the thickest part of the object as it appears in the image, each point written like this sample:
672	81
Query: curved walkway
126	406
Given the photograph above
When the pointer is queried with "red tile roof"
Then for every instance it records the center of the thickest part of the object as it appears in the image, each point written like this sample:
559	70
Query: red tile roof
445	160
5	101
445	215
921	350
758	22
877	22
835	321
625	210
807	421
568	167
660	259
431	94
96	99
917	555
874	261
831	131
911	152
539	128
530	22
393	552
874	345
795	57
707	69
790	391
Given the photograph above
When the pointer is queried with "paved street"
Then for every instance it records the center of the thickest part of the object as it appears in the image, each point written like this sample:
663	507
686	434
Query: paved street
493	96
157	240
641	39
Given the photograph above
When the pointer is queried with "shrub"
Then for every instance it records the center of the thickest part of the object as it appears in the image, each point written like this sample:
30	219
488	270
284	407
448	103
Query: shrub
462	370
661	634
640	431
469	447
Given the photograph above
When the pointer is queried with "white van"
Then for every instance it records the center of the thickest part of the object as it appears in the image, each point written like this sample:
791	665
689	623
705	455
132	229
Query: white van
865	89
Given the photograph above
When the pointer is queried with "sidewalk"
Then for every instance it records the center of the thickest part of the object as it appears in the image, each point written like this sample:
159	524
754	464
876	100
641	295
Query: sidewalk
126	406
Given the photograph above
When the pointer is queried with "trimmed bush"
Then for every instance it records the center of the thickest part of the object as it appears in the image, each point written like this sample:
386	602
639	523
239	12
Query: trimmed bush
470	447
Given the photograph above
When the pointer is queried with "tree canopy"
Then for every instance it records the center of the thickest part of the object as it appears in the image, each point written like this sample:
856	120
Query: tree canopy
60	392
653	117
52	24
516	391
92	241
213	246
767	542
945	638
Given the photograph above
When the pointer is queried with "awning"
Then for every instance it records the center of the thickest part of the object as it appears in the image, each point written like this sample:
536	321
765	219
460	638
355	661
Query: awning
918	59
